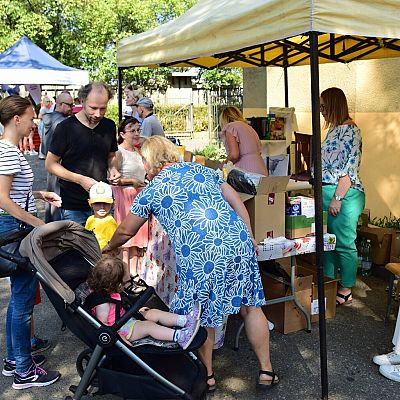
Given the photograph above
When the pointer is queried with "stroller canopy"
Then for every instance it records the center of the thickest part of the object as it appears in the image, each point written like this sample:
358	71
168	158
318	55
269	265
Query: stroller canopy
49	241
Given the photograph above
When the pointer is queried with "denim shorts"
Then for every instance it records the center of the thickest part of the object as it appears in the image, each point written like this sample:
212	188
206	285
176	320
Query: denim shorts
8	223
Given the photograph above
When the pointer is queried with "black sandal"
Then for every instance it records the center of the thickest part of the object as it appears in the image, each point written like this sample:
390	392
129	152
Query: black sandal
263	384
348	298
211	388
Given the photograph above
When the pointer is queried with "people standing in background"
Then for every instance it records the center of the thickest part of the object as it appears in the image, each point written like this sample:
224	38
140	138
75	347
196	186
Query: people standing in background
82	152
389	364
46	108
342	191
151	126
131	98
241	142
77	105
132	171
63	110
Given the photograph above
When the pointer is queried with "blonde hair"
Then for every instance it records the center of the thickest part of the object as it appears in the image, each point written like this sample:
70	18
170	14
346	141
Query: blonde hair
158	151
335	103
230	114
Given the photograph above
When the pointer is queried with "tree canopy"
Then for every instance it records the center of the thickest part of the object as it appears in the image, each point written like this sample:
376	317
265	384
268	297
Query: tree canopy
84	33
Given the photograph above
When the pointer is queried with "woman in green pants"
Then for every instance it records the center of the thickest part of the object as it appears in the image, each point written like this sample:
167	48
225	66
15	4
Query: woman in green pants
342	191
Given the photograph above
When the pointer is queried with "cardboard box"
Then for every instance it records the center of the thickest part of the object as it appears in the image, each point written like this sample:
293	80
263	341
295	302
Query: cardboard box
267	208
188	156
381	240
212	164
300	205
297	226
207	162
286	316
395	247
330	286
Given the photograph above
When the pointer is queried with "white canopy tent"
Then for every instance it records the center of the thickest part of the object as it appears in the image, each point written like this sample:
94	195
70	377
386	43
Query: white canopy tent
257	33
248	33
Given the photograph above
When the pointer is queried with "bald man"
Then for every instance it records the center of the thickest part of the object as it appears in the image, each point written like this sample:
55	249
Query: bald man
63	109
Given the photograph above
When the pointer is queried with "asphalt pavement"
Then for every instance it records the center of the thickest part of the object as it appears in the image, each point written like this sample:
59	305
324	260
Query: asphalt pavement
354	336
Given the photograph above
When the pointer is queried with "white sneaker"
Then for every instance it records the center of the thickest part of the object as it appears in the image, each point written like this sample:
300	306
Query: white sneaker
33	153
391	372
387	359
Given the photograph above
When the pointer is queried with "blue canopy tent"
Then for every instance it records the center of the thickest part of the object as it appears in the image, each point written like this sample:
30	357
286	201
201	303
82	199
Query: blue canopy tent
27	63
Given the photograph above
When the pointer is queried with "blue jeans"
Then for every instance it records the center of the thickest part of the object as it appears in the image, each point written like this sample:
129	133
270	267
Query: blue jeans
19	312
77	216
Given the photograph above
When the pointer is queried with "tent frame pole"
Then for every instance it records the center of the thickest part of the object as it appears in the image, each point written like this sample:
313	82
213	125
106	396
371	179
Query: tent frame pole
119	94
316	154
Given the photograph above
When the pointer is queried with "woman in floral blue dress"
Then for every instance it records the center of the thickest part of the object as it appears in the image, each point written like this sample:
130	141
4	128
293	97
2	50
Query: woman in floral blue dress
210	232
342	191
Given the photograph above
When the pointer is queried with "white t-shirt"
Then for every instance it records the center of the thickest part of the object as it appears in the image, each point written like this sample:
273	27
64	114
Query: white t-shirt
13	162
132	165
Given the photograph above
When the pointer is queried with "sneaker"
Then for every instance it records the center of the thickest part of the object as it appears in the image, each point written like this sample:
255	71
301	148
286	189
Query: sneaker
39	345
35	377
26	152
194	315
33	153
9	366
187	334
387	359
391	372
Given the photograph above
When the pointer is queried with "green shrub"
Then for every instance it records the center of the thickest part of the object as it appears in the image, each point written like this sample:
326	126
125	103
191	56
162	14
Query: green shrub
212	152
173	117
387	222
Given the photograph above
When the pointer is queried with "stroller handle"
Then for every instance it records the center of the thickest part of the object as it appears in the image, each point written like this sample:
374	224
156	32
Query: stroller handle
140	302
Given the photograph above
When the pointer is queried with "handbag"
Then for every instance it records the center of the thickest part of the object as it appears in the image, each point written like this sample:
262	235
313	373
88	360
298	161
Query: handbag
10	259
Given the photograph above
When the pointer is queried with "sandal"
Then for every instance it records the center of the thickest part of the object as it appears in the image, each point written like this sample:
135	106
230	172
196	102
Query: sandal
211	388
264	384
348	298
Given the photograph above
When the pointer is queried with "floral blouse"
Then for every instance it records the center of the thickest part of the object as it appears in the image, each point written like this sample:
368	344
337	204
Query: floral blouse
341	155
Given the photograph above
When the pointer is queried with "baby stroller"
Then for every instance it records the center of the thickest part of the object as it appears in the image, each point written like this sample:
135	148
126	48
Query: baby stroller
61	254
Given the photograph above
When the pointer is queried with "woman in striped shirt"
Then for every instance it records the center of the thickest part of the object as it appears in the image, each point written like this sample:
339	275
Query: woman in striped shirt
17	204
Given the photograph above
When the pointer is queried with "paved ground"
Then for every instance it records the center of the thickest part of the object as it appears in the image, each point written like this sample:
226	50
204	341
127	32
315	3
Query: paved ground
353	337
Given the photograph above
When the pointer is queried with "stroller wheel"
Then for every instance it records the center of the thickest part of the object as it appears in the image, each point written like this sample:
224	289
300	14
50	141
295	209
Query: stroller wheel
82	361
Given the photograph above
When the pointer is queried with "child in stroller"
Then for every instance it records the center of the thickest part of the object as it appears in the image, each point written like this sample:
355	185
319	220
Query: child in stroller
107	277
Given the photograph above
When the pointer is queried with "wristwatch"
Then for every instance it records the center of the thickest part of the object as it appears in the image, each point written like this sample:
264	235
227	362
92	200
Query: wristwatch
338	198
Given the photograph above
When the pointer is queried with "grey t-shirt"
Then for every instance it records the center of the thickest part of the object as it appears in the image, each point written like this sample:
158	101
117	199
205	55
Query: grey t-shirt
151	127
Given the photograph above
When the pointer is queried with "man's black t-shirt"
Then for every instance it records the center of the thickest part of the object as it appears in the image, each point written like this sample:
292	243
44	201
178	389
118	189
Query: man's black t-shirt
84	151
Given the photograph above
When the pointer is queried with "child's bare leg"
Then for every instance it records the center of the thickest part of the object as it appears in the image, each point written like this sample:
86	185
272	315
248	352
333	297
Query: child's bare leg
30	142
162	317
150	328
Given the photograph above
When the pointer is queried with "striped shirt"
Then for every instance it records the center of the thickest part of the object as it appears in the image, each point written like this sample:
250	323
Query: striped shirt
13	162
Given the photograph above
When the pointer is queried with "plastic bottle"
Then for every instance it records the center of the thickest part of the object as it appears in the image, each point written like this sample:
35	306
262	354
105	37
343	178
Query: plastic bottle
272	133
267	135
366	259
360	251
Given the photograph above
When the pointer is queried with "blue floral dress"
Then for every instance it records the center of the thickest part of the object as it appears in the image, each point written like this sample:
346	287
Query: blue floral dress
215	257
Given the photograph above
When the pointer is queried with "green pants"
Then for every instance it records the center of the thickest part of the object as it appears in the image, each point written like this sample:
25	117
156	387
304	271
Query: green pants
343	259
